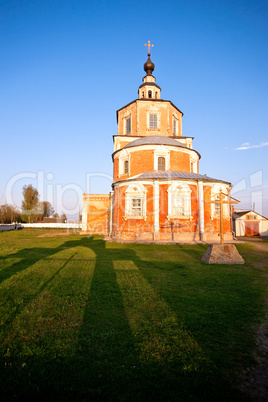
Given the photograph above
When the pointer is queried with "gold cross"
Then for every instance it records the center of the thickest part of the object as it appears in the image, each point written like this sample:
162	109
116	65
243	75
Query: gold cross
220	200
149	45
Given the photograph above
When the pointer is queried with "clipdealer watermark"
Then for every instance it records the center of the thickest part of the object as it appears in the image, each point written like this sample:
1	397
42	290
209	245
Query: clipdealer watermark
252	185
56	194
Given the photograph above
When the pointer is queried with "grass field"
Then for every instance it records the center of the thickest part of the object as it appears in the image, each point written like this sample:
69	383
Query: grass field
83	319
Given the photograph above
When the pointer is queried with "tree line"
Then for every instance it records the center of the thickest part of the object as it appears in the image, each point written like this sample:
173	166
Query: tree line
32	210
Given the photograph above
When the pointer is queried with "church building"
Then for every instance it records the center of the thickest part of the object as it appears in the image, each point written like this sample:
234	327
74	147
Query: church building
157	191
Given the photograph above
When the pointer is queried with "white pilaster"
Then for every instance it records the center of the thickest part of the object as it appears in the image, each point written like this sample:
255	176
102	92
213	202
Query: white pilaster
156	206
111	212
84	213
201	210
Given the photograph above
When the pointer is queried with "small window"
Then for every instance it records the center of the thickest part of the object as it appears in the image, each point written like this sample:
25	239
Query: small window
255	217
136	207
248	217
153	121
217	207
128	125
192	167
156	95
161	163
174	123
149	94
126	166
143	94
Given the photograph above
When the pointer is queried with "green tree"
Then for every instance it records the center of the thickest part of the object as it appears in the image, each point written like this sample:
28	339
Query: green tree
63	216
44	209
30	201
9	214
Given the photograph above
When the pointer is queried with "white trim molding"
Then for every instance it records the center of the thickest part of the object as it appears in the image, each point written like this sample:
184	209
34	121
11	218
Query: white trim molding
135	191
179	201
159	151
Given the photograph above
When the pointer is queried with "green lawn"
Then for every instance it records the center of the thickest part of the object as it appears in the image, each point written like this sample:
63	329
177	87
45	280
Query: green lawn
83	319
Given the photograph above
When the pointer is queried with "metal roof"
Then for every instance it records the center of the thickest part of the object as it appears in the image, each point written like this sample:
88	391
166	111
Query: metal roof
173	174
155	140
238	213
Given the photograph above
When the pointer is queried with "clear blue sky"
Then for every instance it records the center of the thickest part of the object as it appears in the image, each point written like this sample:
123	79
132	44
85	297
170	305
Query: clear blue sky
66	66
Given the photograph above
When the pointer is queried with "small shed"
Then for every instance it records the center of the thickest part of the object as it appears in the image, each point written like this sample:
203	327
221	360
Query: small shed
249	223
53	220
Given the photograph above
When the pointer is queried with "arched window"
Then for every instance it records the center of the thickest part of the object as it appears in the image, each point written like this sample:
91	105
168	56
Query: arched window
161	163
126	167
149	94
192	167
124	162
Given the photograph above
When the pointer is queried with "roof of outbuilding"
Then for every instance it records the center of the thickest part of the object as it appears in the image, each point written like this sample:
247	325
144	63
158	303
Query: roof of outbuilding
238	213
155	140
241	212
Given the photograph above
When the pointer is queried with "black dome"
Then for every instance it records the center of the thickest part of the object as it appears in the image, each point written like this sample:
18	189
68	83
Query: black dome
149	66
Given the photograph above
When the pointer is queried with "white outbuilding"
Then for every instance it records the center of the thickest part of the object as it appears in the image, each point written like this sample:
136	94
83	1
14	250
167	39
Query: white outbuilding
249	223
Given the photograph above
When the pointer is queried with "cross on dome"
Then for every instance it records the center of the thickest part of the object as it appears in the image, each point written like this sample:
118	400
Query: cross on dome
149	65
149	46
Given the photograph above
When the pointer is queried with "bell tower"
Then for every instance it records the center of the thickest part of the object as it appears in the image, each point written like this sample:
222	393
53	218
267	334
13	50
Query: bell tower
149	89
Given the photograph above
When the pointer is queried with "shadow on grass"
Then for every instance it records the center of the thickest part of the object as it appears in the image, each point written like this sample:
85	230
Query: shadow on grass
131	345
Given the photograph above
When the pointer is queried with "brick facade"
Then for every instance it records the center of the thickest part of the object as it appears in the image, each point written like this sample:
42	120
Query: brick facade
158	193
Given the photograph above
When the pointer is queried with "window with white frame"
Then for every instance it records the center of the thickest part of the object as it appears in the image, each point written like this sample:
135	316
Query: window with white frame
179	200
136	207
126	166
161	152
153	121
216	206
193	166
124	162
128	125
135	201
161	163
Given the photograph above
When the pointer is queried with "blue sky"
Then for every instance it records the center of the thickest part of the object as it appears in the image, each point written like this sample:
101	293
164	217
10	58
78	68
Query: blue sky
66	66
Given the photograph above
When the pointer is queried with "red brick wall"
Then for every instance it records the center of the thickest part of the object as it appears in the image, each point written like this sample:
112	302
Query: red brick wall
98	213
179	161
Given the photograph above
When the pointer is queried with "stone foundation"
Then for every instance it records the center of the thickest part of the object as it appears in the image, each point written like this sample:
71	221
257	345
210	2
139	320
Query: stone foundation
222	254
168	237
